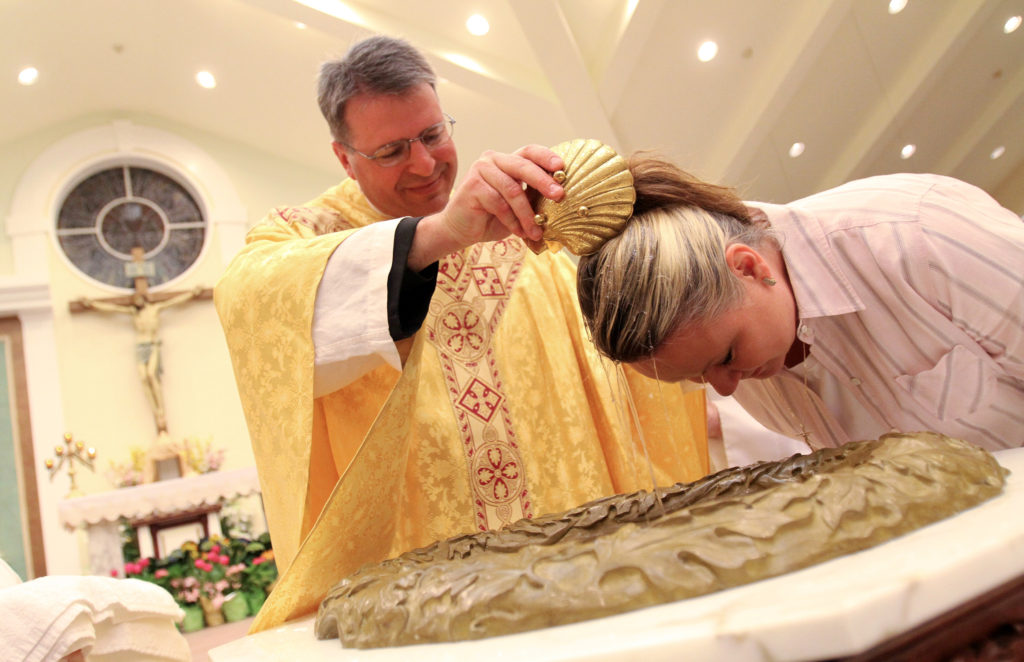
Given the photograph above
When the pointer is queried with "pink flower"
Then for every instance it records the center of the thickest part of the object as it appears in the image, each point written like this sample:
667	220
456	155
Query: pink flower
224	559
160	573
215	549
114	573
258	560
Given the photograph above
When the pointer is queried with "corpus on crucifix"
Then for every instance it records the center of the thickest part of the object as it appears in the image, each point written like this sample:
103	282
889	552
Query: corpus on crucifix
145	308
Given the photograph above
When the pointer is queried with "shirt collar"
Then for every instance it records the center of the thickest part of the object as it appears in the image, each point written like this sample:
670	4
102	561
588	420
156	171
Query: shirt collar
819	284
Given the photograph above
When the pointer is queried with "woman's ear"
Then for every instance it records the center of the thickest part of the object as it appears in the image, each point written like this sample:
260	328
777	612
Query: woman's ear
746	262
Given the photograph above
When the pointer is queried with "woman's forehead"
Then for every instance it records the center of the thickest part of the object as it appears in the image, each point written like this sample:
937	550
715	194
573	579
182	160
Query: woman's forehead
688	352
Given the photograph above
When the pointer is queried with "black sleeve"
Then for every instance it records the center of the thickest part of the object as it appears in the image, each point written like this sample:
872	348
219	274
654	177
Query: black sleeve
409	291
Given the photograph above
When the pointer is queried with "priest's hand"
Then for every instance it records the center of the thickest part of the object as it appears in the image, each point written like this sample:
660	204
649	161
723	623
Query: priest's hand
491	203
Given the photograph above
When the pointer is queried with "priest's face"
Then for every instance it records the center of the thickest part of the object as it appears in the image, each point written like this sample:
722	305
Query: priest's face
419	185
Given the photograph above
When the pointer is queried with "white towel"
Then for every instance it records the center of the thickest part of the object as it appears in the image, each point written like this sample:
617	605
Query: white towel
7	575
49	618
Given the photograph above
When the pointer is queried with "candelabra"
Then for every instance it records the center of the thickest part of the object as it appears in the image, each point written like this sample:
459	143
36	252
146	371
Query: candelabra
76	451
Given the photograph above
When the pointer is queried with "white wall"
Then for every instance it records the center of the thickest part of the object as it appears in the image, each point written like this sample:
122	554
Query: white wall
81	368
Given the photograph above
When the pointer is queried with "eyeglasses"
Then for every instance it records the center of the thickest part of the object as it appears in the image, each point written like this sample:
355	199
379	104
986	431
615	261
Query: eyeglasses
396	152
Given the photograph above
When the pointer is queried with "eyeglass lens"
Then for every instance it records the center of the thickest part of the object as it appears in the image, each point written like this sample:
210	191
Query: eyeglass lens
431	137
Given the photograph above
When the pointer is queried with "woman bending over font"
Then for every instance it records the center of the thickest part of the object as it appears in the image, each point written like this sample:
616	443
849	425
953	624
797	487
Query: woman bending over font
889	303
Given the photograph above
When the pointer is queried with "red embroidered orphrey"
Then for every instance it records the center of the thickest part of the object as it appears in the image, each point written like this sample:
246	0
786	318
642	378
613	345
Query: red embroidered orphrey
464	314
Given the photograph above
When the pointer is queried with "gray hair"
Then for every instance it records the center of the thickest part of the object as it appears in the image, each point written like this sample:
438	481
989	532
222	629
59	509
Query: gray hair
667	269
377	65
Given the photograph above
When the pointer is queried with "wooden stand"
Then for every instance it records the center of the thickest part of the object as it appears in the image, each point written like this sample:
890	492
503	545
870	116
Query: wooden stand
148	529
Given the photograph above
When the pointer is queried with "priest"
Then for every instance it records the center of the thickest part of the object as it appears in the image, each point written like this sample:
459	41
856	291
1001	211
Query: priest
409	370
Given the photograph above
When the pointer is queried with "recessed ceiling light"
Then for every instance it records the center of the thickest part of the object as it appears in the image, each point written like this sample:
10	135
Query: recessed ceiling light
1011	24
896	6
478	25
707	51
206	79
997	152
300	25
796	149
908	151
28	75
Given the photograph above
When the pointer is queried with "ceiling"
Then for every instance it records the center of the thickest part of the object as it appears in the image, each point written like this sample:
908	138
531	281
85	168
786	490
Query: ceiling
846	78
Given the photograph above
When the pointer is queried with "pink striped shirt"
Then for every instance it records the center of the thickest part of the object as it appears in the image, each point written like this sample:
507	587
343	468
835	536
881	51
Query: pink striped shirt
910	293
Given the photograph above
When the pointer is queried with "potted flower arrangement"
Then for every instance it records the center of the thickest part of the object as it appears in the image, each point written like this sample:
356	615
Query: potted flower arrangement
216	580
200	455
186	592
130	473
253	570
258	579
212	566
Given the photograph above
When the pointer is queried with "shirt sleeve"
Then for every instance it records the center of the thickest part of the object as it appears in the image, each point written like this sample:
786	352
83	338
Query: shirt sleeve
367	299
976	247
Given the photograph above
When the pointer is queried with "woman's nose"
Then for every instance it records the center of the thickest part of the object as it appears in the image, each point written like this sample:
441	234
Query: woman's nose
724	381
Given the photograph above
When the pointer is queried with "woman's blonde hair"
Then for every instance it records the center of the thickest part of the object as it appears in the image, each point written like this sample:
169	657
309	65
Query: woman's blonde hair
667	269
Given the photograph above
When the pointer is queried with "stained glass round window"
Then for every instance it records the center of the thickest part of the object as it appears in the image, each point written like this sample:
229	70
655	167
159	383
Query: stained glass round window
124	210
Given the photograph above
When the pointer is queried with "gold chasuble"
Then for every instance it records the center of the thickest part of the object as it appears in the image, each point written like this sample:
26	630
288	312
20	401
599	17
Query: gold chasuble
503	409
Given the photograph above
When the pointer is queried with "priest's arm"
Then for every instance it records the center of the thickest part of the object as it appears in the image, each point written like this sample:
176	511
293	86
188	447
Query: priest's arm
266	301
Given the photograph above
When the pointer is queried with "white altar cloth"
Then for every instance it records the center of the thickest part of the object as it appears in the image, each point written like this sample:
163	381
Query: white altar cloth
834	609
161	498
100	513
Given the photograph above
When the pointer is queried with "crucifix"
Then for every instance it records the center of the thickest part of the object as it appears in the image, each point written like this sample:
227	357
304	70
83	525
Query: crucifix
144	307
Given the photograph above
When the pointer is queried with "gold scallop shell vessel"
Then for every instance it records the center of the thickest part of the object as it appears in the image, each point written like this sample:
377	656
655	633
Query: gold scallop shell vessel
598	200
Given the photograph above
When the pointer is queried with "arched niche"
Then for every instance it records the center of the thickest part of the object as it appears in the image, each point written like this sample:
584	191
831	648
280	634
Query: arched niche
26	293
